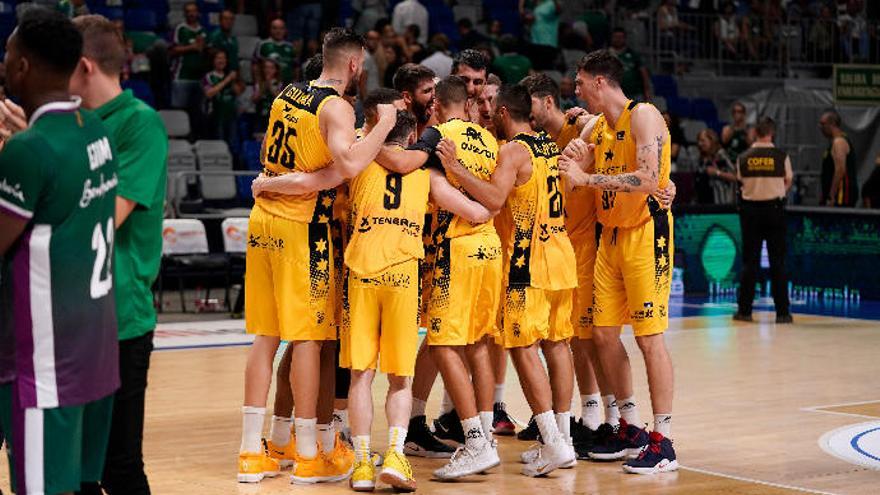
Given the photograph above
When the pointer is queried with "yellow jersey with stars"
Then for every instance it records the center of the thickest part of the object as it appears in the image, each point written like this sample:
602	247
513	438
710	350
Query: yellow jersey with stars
387	216
294	143
580	203
477	151
615	154
540	252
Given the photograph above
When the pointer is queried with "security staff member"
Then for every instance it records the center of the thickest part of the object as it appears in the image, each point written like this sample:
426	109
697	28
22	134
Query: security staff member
765	173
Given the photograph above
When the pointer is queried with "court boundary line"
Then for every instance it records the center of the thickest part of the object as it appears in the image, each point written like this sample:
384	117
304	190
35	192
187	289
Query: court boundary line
755	481
823	409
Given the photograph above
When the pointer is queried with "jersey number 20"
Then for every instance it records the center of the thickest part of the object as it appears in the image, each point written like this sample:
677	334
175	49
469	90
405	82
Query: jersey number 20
280	151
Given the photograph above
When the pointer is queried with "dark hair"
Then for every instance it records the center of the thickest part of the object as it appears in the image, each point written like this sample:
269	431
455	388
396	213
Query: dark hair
765	126
515	98
472	58
313	67
833	117
409	76
51	39
380	96
507	43
102	43
405	125
380	24
415	30
338	40
451	90
602	63
541	85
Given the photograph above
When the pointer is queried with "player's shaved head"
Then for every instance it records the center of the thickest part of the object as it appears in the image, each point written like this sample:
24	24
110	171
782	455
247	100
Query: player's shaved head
339	42
452	91
516	99
102	43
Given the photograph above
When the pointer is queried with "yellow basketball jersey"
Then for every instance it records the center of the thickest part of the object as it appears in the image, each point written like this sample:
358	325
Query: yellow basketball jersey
615	154
294	143
580	203
387	217
540	253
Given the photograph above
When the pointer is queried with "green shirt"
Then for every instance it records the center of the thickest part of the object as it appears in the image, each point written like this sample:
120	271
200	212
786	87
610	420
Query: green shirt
222	105
191	65
632	84
228	43
512	67
545	30
281	52
141	145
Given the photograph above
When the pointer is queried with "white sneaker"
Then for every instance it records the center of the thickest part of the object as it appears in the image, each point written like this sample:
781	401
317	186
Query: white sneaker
530	455
551	456
466	462
574	458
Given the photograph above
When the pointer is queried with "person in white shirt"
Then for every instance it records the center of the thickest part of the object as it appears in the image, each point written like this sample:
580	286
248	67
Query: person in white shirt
440	62
411	12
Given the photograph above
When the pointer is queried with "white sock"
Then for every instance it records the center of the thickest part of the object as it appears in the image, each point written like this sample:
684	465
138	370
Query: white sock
663	424
361	448
499	393
418	408
612	414
396	438
629	411
473	432
446	404
591	410
306	437
280	432
486	419
251	428
563	422
547	426
327	438
341	415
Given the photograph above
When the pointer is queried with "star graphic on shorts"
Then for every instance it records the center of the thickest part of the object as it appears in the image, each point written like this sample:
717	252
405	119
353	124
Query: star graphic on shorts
438	273
662	260
322	266
322	285
520	262
327	202
323	219
440	252
523	243
609	155
661	243
321	246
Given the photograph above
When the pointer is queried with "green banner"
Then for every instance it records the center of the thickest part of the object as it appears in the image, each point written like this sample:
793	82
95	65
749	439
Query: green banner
857	84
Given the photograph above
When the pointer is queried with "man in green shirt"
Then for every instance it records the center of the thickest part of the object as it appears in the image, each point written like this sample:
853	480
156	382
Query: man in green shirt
278	49
187	52
222	39
636	83
510	66
141	145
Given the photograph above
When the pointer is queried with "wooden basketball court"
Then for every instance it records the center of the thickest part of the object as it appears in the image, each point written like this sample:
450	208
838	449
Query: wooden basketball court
752	403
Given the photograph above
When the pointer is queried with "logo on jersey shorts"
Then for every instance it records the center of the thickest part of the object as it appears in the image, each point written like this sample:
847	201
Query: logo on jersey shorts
389	280
646	313
266	242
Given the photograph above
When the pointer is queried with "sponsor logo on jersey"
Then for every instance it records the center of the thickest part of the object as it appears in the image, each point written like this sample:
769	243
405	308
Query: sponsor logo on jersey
621	135
472	134
99	153
14	191
89	193
408	227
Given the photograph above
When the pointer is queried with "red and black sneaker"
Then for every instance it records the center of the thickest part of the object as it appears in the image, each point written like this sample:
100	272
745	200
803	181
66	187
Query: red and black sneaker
657	457
627	443
501	422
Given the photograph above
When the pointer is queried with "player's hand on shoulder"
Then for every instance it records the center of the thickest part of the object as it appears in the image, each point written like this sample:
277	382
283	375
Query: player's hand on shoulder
575	112
387	112
446	152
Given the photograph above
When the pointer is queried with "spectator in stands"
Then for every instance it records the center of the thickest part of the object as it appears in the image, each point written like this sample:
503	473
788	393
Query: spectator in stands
802	10
222	39
304	19
511	66
676	135
468	36
567	96
839	179
277	48
673	32
727	31
716	176
545	29
737	136
266	88
853	27
220	94
371	77
409	12
439	61
871	189
187	51
368	13
756	31
636	82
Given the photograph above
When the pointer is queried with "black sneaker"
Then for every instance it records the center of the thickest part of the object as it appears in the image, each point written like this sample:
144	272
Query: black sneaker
530	434
784	319
583	438
420	442
627	443
448	427
657	457
742	317
501	422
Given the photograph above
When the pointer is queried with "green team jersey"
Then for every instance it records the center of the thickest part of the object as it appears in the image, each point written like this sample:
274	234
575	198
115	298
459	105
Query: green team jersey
222	105
632	76
281	52
191	65
58	343
141	145
228	43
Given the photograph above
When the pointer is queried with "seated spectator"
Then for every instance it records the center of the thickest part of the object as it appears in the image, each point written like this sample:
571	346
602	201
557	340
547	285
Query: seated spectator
222	39
277	48
676	135
716	176
468	36
821	38
757	33
220	93
636	83
368	13
871	189
266	88
439	61
545	29
511	66
727	32
187	51
408	13
567	96
736	137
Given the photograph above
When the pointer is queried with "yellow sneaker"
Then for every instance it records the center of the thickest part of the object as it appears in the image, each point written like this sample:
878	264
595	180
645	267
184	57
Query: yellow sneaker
284	455
254	466
307	471
363	478
397	472
340	462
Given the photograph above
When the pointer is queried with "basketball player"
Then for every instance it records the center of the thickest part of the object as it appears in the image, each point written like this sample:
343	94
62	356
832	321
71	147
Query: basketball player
59	362
538	289
416	83
629	147
472	67
311	127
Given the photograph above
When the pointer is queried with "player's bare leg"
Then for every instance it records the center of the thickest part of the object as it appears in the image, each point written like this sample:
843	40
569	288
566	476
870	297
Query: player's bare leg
326	396
305	376
279	443
660	379
258	379
480	365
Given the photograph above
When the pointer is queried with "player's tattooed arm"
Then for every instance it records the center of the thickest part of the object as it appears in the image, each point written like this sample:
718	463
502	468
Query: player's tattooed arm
447	197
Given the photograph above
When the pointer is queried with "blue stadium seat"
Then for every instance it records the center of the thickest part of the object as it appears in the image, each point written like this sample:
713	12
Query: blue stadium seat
112	13
704	109
250	154
141	89
243	187
680	107
141	20
665	86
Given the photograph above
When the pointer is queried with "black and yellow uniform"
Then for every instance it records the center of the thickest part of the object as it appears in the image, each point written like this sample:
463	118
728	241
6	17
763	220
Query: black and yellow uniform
383	253
466	279
634	262
290	281
848	193
539	282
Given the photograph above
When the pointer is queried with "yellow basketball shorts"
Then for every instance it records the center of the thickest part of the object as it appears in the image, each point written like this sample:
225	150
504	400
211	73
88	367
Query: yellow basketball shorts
531	315
633	276
582	314
465	290
289	282
384	320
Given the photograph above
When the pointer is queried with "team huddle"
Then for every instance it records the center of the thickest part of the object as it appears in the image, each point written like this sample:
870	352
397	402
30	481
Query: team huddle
484	214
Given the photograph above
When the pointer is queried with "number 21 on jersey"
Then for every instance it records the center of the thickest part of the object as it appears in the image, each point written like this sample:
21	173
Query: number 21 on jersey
102	245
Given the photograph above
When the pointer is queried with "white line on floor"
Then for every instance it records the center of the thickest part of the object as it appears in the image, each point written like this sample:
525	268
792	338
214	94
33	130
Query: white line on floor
837	413
843	404
759	482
